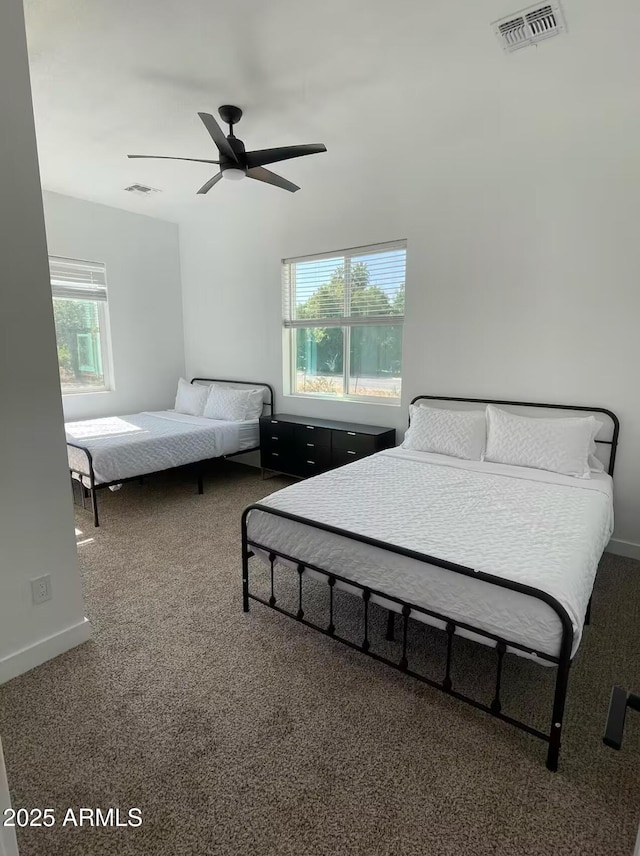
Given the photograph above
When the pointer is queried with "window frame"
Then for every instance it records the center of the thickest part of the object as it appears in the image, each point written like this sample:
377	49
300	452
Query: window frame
291	326
102	310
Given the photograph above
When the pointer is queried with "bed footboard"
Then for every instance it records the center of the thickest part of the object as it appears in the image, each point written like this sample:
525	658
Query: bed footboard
406	610
90	474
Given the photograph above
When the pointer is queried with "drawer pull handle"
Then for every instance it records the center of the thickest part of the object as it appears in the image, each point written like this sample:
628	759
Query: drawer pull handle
351	433
275	454
310	428
274	438
274	421
349	452
311	444
311	462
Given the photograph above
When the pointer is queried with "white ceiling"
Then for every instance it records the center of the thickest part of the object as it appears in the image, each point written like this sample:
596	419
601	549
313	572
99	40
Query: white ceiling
383	84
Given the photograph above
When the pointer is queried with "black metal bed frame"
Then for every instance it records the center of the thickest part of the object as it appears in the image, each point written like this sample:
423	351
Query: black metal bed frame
562	661
91	491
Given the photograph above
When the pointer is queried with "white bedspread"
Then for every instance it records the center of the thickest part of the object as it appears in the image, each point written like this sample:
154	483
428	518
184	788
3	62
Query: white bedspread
127	446
541	529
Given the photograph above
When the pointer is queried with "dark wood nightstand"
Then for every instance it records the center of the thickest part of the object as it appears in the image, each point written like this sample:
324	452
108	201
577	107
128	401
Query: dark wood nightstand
299	446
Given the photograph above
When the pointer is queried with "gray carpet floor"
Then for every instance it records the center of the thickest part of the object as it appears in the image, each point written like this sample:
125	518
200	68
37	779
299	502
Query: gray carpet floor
251	735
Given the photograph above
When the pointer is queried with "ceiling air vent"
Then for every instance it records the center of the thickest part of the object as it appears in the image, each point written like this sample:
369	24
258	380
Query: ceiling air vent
141	189
530	26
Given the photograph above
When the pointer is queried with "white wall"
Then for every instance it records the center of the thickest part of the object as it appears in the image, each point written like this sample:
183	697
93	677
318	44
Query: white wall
145	311
522	266
36	520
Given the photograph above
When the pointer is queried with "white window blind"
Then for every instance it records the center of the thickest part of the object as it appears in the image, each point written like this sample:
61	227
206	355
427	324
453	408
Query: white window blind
77	280
360	286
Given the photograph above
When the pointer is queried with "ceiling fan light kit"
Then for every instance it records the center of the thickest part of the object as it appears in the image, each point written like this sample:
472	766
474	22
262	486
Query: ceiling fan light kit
236	163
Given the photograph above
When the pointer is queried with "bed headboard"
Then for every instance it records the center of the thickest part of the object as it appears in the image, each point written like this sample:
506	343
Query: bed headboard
606	439
269	395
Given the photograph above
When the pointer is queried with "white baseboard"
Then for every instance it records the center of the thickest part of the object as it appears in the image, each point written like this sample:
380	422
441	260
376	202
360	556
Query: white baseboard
624	548
44	649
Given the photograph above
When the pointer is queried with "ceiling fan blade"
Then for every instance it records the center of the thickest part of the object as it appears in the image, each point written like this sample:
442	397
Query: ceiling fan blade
265	156
269	177
207	187
168	157
217	135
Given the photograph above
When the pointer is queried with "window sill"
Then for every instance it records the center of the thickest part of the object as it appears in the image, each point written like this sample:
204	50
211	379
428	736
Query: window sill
86	391
377	402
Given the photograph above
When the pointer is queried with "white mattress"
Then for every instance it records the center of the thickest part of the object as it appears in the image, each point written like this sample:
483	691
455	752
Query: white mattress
128	446
540	529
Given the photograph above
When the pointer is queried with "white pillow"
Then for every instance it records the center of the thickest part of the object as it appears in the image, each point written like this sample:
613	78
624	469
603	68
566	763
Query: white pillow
256	398
595	464
559	445
229	405
255	402
458	433
191	398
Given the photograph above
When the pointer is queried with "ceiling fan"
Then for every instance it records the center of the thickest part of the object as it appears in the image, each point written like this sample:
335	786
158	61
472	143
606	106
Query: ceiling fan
235	163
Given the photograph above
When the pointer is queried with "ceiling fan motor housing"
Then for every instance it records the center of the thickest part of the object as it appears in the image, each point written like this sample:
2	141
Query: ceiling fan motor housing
228	163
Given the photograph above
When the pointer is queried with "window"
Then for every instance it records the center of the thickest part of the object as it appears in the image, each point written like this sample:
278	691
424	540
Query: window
343	318
79	292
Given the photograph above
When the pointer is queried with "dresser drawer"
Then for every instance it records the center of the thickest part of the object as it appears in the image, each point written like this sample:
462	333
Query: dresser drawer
354	442
273	429
307	467
311	455
307	447
283	461
312	434
273	443
346	456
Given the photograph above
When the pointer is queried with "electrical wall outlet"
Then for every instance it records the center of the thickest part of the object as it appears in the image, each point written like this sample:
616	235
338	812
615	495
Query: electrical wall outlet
41	589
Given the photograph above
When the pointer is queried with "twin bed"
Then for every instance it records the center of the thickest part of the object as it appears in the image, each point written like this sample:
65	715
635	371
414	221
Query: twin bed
503	555
110	451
